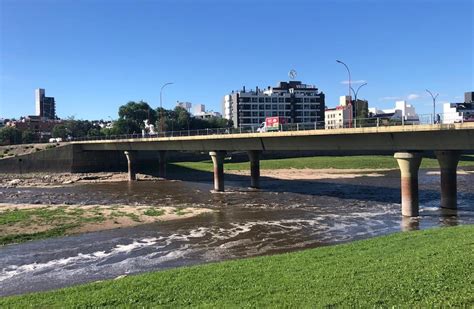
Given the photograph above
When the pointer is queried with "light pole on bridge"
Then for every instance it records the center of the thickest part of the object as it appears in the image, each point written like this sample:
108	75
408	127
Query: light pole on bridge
355	102
161	105
350	86
434	104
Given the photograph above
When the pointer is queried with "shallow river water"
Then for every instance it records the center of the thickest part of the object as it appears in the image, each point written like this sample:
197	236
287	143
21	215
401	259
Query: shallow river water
285	215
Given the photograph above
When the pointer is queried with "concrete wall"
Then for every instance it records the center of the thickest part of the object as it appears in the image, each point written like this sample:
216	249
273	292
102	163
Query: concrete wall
66	159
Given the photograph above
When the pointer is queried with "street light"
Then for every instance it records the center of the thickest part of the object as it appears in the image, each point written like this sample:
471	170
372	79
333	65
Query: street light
355	101
161	105
434	104
350	87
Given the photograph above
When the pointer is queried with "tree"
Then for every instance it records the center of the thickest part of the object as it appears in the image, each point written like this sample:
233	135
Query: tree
61	131
10	136
136	113
125	126
28	137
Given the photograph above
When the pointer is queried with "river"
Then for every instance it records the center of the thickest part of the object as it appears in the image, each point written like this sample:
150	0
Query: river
285	215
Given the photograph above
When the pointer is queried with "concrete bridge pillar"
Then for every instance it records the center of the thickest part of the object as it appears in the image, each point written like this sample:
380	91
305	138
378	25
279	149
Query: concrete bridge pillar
254	157
409	163
132	166
218	162
162	164
448	162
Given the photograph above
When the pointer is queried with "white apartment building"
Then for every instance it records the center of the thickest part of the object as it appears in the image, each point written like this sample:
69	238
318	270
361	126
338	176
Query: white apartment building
459	112
402	111
297	102
337	118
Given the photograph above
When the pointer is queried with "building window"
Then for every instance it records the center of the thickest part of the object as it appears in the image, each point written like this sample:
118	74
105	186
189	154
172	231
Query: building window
261	100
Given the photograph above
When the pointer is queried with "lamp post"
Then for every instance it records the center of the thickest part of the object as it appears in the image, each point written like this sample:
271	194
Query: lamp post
350	87
355	101
161	105
434	104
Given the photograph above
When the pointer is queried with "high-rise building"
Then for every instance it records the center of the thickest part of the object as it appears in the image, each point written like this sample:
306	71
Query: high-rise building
45	106
297	102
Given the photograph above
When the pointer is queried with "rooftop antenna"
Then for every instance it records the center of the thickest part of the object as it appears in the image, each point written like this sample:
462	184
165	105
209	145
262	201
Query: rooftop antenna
292	74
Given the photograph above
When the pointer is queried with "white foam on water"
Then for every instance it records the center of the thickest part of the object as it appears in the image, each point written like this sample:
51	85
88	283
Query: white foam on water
14	270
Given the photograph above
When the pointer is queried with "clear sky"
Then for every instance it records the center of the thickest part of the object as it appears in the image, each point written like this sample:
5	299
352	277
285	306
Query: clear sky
95	55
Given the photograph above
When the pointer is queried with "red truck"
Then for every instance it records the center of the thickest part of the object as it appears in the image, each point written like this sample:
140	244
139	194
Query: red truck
272	124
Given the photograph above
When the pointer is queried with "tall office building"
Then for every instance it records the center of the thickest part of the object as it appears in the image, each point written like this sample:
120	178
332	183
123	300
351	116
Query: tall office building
45	106
297	102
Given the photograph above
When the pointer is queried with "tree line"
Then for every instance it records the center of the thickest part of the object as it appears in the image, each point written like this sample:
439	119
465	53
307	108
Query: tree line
131	120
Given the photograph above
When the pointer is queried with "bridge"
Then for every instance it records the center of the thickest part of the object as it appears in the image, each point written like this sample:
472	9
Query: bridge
407	142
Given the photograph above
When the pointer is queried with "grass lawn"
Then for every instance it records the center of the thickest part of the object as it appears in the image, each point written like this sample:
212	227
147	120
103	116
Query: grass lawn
323	162
431	268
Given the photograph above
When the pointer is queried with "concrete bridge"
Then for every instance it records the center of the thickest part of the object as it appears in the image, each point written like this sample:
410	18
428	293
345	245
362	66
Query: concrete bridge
407	142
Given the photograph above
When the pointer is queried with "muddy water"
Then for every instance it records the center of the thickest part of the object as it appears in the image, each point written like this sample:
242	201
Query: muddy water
283	216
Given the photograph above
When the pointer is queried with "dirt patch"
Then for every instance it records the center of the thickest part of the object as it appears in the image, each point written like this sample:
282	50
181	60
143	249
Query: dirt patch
18	221
314	174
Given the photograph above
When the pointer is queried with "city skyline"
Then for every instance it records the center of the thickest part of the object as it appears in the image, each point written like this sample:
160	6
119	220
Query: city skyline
399	48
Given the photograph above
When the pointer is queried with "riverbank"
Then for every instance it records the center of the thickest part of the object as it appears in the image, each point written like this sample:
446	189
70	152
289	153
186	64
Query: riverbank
413	269
307	168
363	163
40	180
24	222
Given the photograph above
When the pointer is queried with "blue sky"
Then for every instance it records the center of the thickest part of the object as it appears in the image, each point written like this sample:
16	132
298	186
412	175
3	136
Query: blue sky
95	55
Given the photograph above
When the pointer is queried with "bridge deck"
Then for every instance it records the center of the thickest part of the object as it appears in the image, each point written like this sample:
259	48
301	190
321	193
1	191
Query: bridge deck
395	138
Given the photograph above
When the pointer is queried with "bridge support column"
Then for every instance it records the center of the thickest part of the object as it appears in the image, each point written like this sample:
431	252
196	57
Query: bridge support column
132	167
218	162
409	163
254	157
162	164
448	162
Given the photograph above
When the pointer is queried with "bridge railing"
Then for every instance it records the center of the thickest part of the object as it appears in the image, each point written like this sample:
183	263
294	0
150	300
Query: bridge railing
329	124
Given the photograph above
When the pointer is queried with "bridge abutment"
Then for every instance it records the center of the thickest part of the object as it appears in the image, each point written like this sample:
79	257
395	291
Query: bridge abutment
218	162
162	163
448	163
409	163
254	157
132	166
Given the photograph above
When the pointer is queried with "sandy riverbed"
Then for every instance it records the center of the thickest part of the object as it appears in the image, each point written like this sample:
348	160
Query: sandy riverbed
315	174
63	179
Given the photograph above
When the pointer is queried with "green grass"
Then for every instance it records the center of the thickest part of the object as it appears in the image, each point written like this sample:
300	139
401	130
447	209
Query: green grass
154	212
23	237
323	162
431	268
